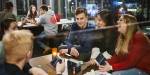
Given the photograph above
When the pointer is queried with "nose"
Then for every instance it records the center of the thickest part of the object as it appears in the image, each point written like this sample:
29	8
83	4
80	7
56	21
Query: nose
118	22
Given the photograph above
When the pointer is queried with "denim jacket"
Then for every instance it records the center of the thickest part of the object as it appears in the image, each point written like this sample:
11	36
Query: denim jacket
78	36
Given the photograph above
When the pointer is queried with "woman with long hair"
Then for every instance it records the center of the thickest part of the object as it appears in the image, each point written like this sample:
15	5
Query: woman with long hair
103	19
32	14
132	51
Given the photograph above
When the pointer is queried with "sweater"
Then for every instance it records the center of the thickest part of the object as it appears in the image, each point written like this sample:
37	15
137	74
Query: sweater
137	57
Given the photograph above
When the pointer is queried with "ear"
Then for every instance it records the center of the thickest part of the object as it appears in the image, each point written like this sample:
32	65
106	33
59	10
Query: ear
29	54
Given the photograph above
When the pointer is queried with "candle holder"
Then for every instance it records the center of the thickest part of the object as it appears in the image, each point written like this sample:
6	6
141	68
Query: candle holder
55	58
54	53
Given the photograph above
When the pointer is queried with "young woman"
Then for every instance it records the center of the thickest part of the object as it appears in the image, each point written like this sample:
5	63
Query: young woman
32	14
103	19
132	52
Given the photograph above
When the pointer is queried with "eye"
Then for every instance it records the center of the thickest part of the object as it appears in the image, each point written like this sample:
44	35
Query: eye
120	20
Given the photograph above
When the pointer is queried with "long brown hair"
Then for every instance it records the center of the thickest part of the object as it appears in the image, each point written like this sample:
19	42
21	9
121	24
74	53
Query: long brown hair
123	40
31	13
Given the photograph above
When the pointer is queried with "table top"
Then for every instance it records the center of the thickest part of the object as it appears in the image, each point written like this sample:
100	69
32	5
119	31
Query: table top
44	63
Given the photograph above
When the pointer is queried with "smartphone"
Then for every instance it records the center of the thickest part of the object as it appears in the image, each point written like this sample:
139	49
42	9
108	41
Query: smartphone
55	61
100	59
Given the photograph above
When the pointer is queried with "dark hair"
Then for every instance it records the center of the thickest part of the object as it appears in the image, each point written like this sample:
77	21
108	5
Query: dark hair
8	5
81	10
32	15
44	7
5	24
107	16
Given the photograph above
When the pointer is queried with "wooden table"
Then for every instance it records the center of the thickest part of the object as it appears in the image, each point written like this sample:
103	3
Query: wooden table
35	29
44	63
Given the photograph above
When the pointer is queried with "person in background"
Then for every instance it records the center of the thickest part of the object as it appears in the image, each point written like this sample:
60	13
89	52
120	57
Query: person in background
7	12
50	29
32	14
76	39
132	51
55	16
50	11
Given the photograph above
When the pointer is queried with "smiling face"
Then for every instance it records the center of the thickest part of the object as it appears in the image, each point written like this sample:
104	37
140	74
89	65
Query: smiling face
99	22
33	9
81	20
122	25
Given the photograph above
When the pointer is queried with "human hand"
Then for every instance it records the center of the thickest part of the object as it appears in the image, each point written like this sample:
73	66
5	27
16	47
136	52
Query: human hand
95	52
92	62
63	51
46	49
37	71
105	68
60	67
74	52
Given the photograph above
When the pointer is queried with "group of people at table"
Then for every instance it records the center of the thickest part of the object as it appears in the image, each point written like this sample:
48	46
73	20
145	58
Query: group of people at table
128	46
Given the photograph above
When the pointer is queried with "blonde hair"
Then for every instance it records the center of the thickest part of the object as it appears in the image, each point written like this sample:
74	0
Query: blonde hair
123	40
17	44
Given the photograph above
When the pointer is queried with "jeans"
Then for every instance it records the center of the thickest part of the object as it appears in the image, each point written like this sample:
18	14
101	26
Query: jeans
42	38
133	71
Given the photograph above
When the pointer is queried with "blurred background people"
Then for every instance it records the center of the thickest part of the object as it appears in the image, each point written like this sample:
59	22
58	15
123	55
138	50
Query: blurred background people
131	52
55	16
50	29
7	12
32	14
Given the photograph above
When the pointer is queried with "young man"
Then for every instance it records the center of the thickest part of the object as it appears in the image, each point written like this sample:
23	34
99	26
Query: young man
75	38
